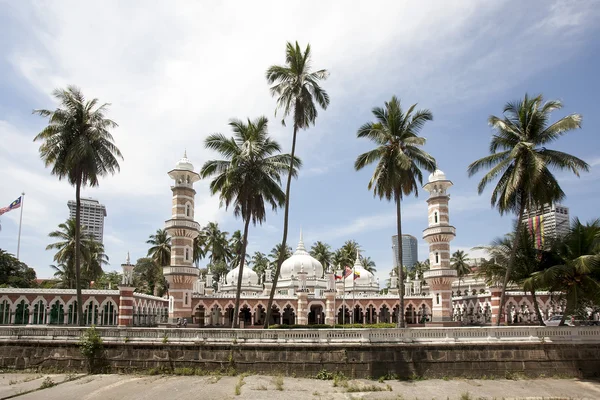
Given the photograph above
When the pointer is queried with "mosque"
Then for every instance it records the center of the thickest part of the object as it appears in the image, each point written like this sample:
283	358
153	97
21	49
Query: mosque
306	293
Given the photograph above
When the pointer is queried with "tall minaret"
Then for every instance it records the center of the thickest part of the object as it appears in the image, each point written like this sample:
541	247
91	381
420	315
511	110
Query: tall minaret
182	228
438	235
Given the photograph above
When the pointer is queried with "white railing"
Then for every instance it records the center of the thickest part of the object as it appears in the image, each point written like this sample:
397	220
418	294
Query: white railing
572	335
432	273
182	223
434	230
181	270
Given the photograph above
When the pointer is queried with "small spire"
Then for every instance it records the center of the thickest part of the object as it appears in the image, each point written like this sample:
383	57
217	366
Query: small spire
185	153
301	242
127	260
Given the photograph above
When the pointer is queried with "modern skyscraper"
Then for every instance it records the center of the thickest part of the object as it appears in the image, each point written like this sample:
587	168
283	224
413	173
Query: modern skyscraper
92	216
410	250
547	222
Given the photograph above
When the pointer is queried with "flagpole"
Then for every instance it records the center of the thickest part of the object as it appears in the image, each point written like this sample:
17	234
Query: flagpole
20	222
353	298
334	296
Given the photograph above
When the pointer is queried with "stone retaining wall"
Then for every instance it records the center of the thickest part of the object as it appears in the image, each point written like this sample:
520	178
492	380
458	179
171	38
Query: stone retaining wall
360	361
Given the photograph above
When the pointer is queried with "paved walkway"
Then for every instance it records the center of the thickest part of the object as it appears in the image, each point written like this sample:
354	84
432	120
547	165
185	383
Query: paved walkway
117	387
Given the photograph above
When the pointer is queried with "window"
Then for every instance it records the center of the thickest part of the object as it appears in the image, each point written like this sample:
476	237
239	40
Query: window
437	298
437	258
187	210
187	255
435	217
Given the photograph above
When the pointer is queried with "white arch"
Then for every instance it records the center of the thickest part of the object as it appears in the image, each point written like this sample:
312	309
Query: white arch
18	301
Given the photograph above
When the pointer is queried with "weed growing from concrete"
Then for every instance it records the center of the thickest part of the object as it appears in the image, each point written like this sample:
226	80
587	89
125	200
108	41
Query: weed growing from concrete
278	382
261	387
352	388
13	382
165	339
47	383
324	375
90	346
238	387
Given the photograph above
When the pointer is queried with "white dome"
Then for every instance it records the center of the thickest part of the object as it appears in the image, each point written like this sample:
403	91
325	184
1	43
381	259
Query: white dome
301	259
184	163
365	278
437	175
248	274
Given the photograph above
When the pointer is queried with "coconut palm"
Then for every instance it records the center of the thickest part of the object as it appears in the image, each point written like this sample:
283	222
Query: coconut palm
276	254
260	262
65	254
420	267
248	178
235	247
528	261
459	262
298	90
79	147
399	159
160	251
216	243
578	256
65	274
199	248
322	253
93	264
368	264
521	162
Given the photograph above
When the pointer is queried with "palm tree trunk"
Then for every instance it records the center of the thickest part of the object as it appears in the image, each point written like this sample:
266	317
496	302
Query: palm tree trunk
536	307
236	310
285	228
400	269
511	260
80	320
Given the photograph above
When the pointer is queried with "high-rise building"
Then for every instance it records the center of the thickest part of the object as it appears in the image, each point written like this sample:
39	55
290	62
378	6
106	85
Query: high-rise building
410	250
547	222
92	217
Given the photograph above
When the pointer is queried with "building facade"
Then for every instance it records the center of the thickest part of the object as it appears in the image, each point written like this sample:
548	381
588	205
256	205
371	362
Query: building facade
548	222
410	250
92	217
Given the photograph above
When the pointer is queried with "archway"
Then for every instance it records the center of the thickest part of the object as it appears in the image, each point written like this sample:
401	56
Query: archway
22	313
289	317
316	315
384	314
229	316
410	315
4	312
275	316
216	316
343	315
57	313
39	313
109	314
357	317
260	315
245	316
199	314
72	314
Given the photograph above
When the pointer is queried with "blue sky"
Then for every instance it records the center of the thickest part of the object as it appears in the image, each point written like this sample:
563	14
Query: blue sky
177	72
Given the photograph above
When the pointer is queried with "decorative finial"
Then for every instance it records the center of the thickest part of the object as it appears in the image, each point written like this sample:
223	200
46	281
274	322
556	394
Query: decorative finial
185	153
301	242
127	260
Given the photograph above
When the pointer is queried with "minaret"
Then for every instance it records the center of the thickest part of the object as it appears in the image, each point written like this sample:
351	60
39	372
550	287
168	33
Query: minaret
438	235
181	273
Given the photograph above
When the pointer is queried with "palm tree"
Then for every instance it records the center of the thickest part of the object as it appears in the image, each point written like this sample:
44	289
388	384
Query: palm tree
368	264
249	178
528	261
459	262
399	159
65	255
160	251
216	243
276	253
79	147
322	253
520	160
260	262
297	89
235	247
339	259
578	264
349	250
420	267
92	270
199	251
65	275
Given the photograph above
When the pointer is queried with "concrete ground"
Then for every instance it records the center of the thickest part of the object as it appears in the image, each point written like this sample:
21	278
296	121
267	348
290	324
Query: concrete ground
24	386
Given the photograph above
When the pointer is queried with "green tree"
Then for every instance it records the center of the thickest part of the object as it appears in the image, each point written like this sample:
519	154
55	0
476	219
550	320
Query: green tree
15	273
109	280
575	274
368	264
399	159
419	268
96	259
520	160
235	247
349	252
249	178
216	243
79	147
459	262
298	92
199	248
528	261
322	253
65	254
148	277
260	262
160	251
276	253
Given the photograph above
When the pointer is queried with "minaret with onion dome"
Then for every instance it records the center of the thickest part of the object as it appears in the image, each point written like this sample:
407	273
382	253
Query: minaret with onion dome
438	235
181	273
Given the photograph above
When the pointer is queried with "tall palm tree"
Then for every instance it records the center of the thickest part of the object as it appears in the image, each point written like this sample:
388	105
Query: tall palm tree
420	267
92	270
459	262
160	250
297	89
79	147
322	253
528	261
521	162
65	254
248	178
577	267
349	251
199	250
368	264
260	262
235	247
277	253
399	159
216	243
65	275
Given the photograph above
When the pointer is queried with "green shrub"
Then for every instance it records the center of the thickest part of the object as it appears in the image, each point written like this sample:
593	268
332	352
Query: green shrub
47	383
91	347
